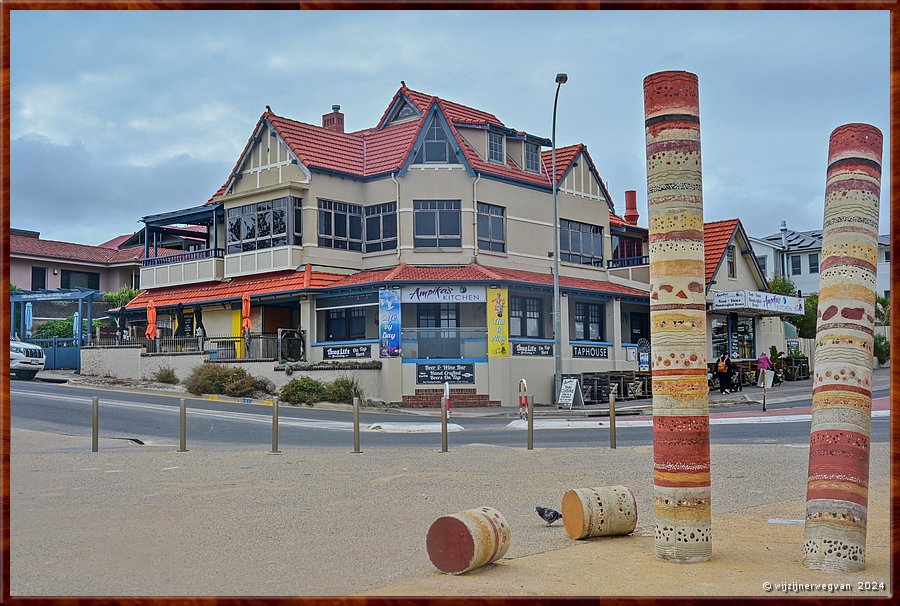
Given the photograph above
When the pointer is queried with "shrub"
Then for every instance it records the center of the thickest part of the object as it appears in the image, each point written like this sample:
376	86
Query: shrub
342	389
241	385
304	390
265	385
209	378
882	348
165	374
121	297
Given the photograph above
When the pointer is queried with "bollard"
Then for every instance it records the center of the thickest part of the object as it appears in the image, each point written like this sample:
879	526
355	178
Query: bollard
447	398
530	422
523	397
356	449
612	419
463	541
183	424
275	426
95	424
444	428
599	512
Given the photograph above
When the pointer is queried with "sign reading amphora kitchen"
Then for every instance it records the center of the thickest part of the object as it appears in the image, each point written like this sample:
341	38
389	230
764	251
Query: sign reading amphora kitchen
438	293
433	374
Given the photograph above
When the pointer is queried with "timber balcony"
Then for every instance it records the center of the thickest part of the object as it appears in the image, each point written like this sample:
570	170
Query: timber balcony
628	262
183	268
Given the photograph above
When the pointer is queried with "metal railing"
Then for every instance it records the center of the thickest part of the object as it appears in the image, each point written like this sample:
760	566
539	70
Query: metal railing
444	342
224	347
628	262
191	255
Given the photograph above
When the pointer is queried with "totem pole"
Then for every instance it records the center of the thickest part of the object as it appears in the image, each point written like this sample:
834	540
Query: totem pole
681	486
837	488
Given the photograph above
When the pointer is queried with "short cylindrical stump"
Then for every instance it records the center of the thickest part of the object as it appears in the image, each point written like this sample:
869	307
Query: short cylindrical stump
598	512
463	541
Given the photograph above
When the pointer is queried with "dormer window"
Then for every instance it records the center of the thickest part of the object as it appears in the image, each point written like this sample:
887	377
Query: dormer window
403	112
532	158
495	148
436	148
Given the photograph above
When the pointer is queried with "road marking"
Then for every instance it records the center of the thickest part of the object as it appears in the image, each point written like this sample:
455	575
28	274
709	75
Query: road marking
168	468
780	521
114	471
591	424
411	427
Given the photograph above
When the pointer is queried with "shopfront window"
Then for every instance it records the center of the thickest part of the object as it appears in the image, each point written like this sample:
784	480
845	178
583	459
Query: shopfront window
743	338
526	317
588	322
718	326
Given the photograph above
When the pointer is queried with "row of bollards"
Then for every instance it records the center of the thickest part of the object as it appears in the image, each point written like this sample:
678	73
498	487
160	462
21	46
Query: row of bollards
445	413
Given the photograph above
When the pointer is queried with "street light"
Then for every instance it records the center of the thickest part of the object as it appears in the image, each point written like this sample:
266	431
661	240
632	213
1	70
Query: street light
557	331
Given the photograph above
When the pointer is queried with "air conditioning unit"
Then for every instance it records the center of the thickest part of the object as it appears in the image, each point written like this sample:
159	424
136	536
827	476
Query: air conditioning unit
291	345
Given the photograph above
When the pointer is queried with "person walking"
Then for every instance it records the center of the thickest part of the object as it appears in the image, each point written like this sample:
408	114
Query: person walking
724	369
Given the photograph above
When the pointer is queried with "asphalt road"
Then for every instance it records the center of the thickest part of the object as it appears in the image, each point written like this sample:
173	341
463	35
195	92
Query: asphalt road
153	420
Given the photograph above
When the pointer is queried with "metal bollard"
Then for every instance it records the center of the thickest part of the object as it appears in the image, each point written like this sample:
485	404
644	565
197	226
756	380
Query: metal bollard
95	424
444	426
612	419
530	422
275	426
356	425
182	413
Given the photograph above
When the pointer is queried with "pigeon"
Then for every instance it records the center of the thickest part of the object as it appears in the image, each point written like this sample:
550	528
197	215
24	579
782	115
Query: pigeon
548	515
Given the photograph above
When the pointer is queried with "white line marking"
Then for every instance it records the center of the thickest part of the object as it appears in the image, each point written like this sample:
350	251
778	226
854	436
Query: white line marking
168	468
114	471
780	521
412	427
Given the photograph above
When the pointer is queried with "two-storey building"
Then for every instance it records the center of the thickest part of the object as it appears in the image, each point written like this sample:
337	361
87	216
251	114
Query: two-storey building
424	242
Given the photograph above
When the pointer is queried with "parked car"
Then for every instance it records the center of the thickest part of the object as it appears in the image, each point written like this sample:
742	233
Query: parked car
25	359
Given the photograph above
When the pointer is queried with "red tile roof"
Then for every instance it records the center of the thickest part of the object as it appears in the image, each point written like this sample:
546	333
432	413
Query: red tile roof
717	235
69	251
474	272
375	151
267	284
115	242
564	158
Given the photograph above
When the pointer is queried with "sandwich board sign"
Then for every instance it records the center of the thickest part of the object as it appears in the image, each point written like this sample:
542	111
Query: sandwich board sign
570	394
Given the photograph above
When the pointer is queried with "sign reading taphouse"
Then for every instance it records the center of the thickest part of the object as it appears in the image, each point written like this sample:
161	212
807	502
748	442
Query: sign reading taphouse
438	293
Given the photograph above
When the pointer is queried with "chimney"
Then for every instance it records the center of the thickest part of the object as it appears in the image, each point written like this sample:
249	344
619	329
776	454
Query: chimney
335	120
631	211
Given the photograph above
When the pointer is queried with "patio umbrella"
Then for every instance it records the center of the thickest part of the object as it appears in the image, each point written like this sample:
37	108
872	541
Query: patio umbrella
198	321
151	320
76	325
245	312
28	320
179	320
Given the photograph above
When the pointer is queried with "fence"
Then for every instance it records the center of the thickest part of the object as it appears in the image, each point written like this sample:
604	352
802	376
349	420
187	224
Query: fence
225	347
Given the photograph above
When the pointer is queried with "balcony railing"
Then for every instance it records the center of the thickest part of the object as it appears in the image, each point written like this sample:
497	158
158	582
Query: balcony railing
430	343
192	255
627	262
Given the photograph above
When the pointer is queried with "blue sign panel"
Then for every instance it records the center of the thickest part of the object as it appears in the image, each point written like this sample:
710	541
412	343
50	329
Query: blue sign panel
389	323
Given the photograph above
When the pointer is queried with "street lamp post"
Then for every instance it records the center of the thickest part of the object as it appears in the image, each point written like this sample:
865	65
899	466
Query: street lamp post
557	331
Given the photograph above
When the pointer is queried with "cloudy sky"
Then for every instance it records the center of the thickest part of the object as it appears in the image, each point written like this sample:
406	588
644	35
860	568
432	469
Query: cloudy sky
117	115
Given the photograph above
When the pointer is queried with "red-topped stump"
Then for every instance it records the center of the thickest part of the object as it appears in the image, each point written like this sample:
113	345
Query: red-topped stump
463	541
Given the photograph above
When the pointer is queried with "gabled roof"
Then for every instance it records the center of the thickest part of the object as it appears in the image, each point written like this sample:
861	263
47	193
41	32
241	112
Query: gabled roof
474	272
717	236
69	251
116	242
207	292
565	158
387	148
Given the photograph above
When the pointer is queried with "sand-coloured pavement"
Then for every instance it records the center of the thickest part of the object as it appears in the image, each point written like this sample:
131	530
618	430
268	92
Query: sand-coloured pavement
141	520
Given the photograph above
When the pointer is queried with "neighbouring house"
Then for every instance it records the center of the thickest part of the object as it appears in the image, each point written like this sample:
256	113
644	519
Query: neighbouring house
186	237
798	254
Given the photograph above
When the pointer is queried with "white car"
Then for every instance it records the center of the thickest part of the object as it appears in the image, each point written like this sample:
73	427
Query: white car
25	359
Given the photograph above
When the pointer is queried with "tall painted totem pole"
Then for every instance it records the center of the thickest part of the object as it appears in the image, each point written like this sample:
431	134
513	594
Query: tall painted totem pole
681	487
837	488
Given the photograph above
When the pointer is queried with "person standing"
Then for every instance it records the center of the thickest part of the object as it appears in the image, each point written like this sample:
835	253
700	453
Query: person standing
724	368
